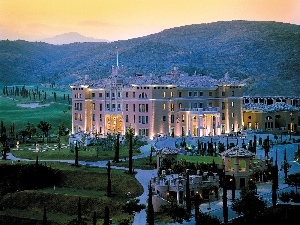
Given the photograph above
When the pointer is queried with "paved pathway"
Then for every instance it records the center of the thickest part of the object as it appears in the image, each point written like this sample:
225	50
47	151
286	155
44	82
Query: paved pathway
144	176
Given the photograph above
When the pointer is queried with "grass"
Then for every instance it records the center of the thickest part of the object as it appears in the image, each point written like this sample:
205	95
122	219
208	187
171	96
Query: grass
59	111
50	152
88	183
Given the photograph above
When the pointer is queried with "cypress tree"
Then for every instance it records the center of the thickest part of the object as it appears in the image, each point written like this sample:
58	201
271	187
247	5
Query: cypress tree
79	210
76	154
225	206
117	149
106	216
254	144
108	179
95	218
130	153
150	209
44	217
188	193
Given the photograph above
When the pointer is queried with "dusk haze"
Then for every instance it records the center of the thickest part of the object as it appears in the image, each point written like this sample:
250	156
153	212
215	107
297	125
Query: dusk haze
35	20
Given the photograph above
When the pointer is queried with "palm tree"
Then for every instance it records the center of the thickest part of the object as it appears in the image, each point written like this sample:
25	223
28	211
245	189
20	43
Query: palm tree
45	127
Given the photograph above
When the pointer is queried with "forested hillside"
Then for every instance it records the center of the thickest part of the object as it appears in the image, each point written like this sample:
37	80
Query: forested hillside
264	55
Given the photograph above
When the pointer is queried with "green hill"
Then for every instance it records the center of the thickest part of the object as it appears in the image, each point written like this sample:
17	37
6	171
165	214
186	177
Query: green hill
264	55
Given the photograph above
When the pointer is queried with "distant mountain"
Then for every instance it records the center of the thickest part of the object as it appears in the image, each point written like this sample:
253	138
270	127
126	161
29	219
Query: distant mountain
69	38
263	55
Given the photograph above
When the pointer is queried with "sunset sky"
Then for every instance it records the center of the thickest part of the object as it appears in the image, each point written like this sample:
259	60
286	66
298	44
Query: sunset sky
34	20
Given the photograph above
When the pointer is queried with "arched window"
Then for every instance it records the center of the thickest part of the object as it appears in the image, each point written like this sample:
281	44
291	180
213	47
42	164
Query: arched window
143	95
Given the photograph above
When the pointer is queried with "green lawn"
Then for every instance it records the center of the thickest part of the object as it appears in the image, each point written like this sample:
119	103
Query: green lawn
58	112
88	183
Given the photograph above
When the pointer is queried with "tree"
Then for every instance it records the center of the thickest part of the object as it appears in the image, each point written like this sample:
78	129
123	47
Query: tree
254	144
206	219
133	206
4	139
225	206
150	210
266	146
106	216
79	210
94	218
44	217
129	134
285	166
45	127
294	180
188	193
108	179
175	211
76	154
249	205
117	149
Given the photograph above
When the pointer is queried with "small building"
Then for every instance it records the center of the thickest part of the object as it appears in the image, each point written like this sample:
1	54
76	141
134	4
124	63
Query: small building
232	160
173	186
166	153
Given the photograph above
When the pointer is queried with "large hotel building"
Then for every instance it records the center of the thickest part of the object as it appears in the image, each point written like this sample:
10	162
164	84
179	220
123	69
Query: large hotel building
174	104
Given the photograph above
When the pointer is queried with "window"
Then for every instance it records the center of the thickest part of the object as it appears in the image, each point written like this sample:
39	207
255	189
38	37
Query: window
179	94
172	94
210	93
182	118
232	115
195	93
200	105
195	104
133	118
164	118
223	116
232	104
119	94
172	118
100	95
190	94
223	105
107	106
164	94
107	95
210	104
100	107
200	93
232	93
223	93
143	107
143	95
126	94
126	107
100	117
93	95
172	107
127	120
133	107
93	117
164	106
180	105
133	94
93	105
119	107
